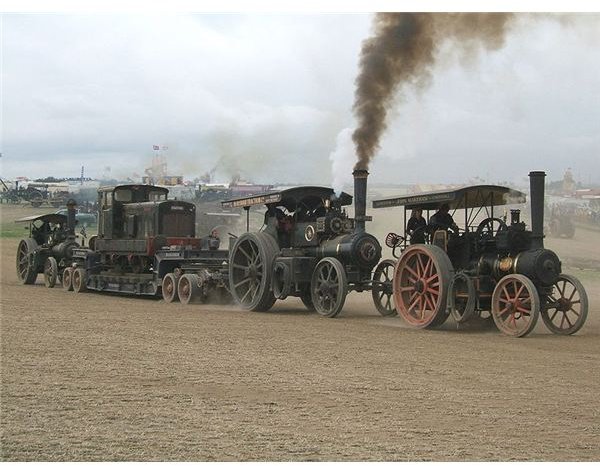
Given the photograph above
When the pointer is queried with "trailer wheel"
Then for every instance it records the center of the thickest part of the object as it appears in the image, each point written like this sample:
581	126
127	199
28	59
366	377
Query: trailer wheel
67	280
50	272
329	287
421	281
382	292
251	269
79	279
169	287
26	267
567	307
189	289
461	297
515	305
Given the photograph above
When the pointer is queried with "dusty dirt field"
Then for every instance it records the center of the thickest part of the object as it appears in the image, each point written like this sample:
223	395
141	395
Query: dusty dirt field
101	377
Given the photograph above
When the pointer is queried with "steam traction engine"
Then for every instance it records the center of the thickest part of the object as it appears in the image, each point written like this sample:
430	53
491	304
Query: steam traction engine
49	248
487	267
145	244
308	247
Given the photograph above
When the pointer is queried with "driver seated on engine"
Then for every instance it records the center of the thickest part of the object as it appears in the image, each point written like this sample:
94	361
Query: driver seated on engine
57	233
213	241
283	225
417	226
442	220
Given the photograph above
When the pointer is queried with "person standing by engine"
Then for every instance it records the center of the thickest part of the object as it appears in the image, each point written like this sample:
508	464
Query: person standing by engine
442	220
416	227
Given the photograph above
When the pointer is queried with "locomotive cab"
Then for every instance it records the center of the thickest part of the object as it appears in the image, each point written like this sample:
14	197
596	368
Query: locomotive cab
112	222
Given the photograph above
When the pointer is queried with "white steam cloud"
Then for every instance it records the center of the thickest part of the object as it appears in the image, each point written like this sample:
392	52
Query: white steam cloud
342	159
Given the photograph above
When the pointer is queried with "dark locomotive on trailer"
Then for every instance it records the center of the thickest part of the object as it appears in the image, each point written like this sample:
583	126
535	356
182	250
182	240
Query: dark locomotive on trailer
493	265
145	244
308	247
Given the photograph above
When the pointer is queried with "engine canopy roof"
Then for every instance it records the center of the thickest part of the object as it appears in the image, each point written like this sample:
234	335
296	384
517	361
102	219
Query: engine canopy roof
309	196
467	197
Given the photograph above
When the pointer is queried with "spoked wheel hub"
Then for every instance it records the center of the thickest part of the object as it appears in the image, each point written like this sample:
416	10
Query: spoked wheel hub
420	287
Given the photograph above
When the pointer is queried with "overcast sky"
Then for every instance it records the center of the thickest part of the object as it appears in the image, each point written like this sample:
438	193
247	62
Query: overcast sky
268	95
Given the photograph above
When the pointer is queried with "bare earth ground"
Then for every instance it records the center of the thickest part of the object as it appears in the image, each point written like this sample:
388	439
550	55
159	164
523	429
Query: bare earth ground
101	377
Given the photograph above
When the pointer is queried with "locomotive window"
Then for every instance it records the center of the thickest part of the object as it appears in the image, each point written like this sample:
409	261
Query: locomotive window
123	195
107	200
157	196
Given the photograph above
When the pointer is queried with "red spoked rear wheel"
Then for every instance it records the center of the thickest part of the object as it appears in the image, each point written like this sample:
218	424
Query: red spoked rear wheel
420	285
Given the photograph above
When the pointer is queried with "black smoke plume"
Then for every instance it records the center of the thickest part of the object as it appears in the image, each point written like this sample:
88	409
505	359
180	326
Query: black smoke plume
402	52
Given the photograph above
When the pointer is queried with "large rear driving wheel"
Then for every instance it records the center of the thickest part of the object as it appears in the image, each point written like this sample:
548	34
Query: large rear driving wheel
420	285
26	266
567	306
250	271
515	305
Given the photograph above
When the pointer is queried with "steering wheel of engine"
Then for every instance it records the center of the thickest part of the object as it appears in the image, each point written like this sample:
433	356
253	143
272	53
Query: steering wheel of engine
490	227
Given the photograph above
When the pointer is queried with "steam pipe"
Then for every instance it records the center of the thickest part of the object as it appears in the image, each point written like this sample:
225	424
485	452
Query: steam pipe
536	193
360	198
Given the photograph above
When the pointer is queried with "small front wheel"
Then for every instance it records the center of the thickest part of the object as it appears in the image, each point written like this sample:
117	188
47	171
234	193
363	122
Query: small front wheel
67	279
515	305
50	272
382	292
567	307
329	287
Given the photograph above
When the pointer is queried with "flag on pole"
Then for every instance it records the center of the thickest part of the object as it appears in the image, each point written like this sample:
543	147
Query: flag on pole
155	147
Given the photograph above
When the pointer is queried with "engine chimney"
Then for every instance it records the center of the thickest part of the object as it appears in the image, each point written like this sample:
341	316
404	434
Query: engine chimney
536	193
360	198
71	211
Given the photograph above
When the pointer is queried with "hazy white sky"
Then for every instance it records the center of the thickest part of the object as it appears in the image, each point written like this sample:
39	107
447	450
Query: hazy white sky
267	95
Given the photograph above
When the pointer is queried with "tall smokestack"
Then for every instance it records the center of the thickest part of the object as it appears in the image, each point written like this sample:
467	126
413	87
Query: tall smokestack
360	198
71	213
536	196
